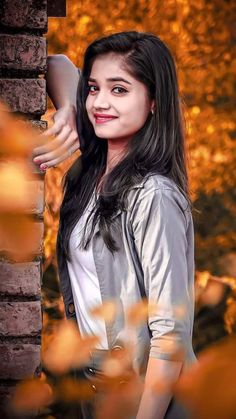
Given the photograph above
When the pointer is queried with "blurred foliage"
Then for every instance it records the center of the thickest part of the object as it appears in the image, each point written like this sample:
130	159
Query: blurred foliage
207	389
20	236
201	36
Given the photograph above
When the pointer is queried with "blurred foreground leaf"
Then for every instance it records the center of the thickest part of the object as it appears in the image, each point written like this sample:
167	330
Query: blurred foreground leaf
31	395
208	388
67	349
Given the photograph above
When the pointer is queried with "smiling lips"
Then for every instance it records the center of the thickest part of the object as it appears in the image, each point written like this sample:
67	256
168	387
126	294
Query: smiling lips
101	118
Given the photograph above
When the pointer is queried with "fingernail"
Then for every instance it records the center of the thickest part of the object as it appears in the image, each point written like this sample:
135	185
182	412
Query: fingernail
43	167
36	160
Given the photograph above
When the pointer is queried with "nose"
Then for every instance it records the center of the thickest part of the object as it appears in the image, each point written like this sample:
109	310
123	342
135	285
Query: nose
101	101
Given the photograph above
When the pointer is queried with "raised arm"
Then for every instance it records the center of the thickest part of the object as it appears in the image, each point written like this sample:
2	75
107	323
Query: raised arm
62	82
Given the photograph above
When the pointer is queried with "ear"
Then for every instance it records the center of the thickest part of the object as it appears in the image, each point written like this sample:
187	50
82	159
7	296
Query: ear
153	106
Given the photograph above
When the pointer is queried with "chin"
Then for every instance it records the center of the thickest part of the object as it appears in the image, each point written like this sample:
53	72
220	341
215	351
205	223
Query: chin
105	133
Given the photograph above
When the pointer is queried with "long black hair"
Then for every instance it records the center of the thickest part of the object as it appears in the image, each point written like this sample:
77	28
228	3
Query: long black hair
157	148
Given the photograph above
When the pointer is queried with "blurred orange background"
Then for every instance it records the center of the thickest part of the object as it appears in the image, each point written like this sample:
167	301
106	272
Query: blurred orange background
201	35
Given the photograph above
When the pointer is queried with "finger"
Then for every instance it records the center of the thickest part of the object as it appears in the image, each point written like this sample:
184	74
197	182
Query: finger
45	136
64	134
62	150
62	157
55	128
45	148
52	145
66	149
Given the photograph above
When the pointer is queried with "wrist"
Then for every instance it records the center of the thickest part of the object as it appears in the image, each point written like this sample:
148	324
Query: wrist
68	106
153	404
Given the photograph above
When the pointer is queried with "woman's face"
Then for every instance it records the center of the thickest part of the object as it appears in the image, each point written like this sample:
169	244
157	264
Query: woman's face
117	104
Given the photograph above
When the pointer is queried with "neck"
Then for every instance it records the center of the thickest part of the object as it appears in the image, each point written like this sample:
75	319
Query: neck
115	152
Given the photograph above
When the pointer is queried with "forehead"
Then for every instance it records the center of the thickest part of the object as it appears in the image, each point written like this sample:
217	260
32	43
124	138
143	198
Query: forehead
110	65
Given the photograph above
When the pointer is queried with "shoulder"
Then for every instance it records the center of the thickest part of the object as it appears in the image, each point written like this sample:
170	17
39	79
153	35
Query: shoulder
154	182
155	194
157	181
155	187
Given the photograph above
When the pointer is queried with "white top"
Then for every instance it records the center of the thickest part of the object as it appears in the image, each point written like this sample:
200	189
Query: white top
85	285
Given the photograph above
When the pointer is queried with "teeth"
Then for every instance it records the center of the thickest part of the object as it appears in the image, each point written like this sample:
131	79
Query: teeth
104	119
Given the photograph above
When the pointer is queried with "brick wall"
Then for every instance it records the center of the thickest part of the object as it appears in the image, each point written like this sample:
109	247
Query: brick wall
22	64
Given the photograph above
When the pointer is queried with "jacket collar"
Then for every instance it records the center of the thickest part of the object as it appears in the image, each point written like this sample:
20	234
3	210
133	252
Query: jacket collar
138	186
119	211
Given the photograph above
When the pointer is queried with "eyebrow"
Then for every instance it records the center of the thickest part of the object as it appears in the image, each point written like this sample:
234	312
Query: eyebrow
112	79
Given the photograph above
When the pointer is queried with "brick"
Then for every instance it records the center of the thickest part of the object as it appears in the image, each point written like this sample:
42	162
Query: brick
20	318
23	52
6	394
19	361
22	279
22	242
36	191
31	201
24	95
40	125
36	197
57	8
34	202
37	242
29	14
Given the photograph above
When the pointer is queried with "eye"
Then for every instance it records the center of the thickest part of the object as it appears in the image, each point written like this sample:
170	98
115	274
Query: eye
92	88
119	89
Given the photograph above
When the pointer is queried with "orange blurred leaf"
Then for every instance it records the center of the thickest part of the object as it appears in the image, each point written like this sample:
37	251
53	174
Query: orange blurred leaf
139	312
68	349
31	394
208	388
70	390
107	311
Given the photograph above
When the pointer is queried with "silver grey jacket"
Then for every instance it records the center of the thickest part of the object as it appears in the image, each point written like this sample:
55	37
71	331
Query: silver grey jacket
155	260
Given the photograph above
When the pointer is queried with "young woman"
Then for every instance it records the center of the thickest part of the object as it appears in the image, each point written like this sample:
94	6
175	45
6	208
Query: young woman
126	229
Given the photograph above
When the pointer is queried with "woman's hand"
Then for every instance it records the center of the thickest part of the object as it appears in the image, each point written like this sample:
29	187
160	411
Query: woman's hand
66	140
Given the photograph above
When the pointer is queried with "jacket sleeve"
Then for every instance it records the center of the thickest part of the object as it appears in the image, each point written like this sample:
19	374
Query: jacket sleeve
163	236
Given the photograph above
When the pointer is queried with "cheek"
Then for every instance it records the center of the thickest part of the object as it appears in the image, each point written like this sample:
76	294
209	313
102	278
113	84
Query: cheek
88	107
87	104
137	113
